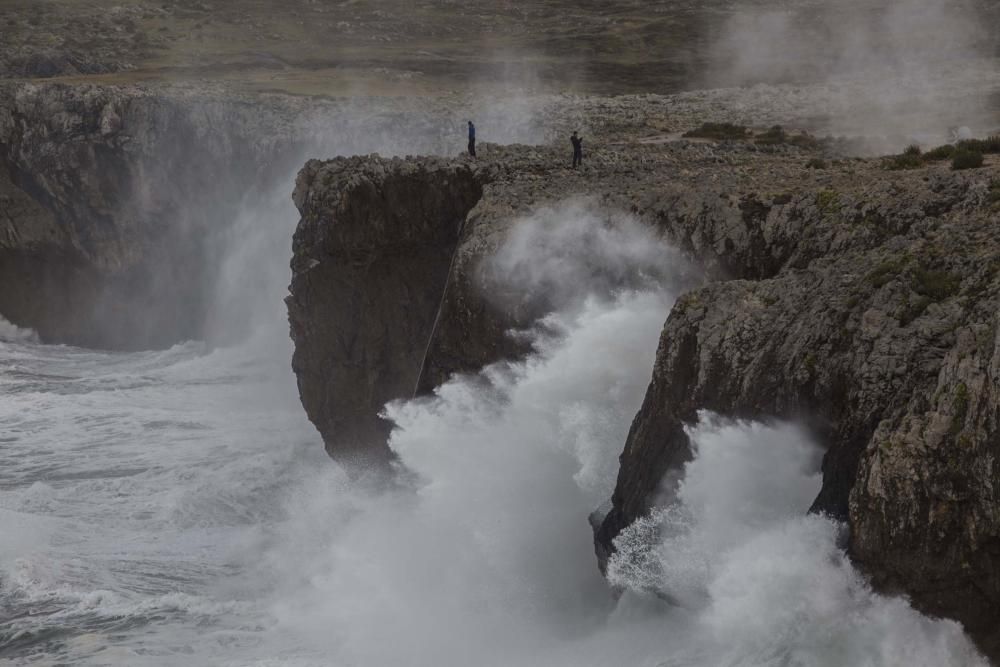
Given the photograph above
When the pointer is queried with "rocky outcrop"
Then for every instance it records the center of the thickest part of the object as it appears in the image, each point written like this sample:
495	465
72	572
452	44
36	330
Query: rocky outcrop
119	198
123	200
875	320
371	258
860	301
388	296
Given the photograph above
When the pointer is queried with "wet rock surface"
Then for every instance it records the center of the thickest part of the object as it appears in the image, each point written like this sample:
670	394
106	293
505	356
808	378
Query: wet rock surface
371	257
871	316
858	300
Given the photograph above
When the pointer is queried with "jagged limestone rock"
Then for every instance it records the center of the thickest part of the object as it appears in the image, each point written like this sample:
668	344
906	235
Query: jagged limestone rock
858	300
876	325
371	257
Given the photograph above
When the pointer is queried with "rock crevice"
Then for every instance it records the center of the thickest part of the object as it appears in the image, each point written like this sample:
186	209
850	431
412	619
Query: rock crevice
860	301
884	340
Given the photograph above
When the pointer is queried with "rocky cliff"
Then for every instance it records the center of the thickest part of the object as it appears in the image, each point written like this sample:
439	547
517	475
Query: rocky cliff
857	300
371	257
119	203
386	300
115	202
388	297
874	319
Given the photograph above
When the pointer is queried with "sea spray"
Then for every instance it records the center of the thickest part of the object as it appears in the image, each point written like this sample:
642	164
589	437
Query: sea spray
481	552
195	519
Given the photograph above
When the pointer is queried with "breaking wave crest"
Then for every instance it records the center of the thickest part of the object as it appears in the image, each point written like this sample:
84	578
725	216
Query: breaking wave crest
176	508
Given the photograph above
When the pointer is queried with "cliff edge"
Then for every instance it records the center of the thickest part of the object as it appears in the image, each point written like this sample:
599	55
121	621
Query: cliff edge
857	300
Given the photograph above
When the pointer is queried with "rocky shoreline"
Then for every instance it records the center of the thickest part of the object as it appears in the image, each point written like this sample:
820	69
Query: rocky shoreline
859	300
116	199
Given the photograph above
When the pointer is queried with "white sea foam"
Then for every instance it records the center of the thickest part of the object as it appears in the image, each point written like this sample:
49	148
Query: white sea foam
11	332
175	507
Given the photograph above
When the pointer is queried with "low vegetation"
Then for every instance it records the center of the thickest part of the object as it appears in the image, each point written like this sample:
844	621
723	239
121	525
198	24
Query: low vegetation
777	135
773	136
967	154
885	272
966	159
940	153
959	408
719	132
928	285
993	196
828	202
935	285
904	161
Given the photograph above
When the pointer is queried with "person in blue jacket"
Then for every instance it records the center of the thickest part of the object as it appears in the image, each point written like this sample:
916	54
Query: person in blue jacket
472	139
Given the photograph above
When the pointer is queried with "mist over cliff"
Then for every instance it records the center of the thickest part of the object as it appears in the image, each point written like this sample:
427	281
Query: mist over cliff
910	67
289	378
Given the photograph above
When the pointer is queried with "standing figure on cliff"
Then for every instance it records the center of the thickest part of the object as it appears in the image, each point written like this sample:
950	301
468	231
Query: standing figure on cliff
577	149
472	139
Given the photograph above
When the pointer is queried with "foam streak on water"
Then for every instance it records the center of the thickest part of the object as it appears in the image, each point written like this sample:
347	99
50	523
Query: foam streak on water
131	487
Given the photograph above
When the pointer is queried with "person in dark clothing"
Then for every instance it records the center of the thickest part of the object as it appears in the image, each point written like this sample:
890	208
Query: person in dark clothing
472	139
577	149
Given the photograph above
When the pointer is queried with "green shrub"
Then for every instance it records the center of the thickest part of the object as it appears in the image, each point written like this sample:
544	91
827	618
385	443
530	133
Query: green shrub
911	310
988	145
719	132
959	408
966	159
886	271
912	149
828	202
993	197
903	161
775	135
808	141
935	285
940	153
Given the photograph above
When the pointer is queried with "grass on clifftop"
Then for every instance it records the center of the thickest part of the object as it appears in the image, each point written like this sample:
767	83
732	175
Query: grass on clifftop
776	136
994	192
967	154
966	159
719	132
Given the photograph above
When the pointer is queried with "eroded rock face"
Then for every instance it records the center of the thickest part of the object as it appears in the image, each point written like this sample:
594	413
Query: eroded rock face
117	200
371	259
388	298
861	301
877	323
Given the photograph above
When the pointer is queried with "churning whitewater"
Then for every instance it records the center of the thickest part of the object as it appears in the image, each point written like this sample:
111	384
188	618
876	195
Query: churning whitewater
175	507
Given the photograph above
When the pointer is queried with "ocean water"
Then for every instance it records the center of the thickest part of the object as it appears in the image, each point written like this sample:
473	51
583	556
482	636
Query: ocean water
176	508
